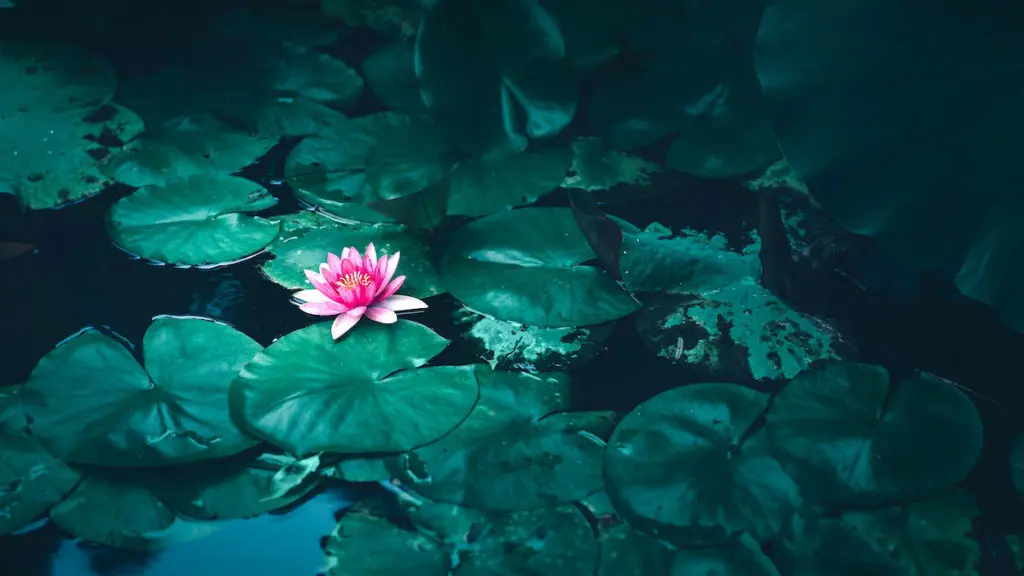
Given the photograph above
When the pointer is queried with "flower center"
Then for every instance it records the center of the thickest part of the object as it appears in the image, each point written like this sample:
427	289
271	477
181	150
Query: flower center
353	279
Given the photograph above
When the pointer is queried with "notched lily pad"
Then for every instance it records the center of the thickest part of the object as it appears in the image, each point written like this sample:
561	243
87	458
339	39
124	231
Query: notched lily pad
366	544
200	220
544	541
90	402
31	480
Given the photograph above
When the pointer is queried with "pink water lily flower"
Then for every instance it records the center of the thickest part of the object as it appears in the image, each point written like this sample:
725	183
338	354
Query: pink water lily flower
354	286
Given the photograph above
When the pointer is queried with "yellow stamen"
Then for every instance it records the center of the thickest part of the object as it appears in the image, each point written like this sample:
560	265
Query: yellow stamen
353	279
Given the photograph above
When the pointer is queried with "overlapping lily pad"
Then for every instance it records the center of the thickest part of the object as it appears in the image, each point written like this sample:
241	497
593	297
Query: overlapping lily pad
200	220
686	466
598	166
742	556
850	436
391	75
90	402
489	185
186	146
511	453
525	266
920	538
57	127
366	544
544	541
307	393
32	480
306	247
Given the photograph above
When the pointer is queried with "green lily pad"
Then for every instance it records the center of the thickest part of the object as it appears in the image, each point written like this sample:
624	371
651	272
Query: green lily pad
122	513
1017	464
684	466
200	220
90	402
361	469
847	437
307	393
629	552
591	29
307	248
56	123
224	491
743	556
391	75
488	185
916	539
31	480
476	63
329	170
511	453
454	526
545	541
12	415
365	544
507	345
184	147
406	160
598	166
525	266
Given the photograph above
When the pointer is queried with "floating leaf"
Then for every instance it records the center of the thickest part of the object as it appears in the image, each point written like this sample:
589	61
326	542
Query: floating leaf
124	514
628	552
89	401
507	455
847	438
525	266
307	393
187	146
743	556
365	544
488	185
196	221
307	248
598	166
545	541
684	466
391	74
31	480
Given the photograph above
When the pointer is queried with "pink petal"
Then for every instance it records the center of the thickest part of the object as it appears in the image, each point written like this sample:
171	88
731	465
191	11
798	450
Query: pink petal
363	295
323	308
320	284
382	315
311	296
400	303
329	276
334	262
354	257
390	288
344	252
344	322
389	272
370	257
378	270
347	267
347	298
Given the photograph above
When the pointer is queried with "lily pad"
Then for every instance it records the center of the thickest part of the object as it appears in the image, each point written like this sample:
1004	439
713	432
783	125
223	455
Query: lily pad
328	170
365	544
849	436
629	552
525	266
307	393
917	539
488	185
511	453
476	63
545	541
598	166
361	469
200	220
507	345
122	513
391	74
306	248
743	556
31	480
685	466
90	402
57	126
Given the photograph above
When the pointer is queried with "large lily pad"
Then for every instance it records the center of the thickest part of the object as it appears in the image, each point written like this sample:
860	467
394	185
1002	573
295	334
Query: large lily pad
186	146
917	539
598	166
391	75
90	402
546	541
196	221
509	454
525	266
685	466
307	393
124	513
847	435
32	480
489	185
477	62
366	544
57	127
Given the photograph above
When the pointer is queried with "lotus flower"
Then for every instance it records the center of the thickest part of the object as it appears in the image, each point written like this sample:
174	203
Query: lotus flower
354	286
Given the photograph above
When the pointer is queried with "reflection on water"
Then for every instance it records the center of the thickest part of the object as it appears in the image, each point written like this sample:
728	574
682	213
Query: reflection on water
287	543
